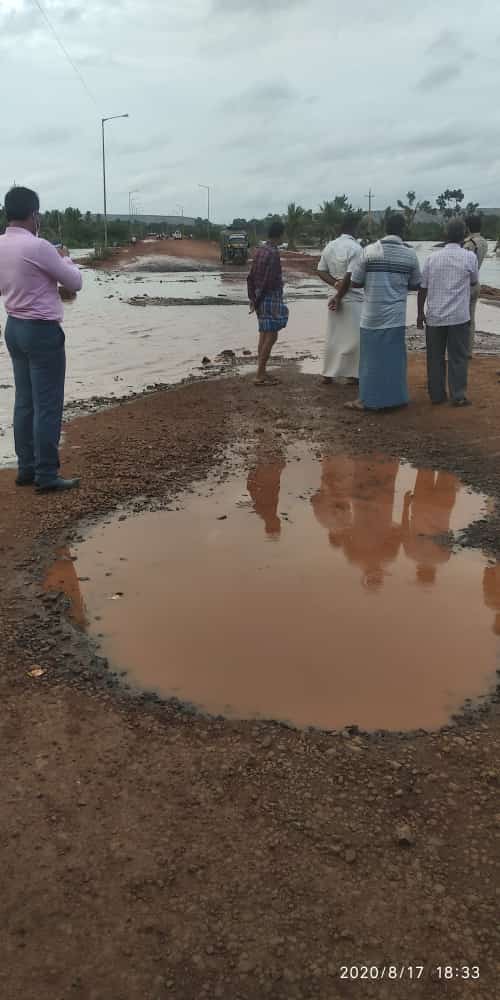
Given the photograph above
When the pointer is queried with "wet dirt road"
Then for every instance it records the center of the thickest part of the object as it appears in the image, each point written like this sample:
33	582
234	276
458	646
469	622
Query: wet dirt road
150	853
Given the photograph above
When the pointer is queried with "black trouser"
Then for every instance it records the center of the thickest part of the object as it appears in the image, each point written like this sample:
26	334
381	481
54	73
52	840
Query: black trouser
455	341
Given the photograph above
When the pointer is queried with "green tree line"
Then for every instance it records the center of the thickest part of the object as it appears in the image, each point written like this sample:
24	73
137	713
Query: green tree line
424	221
80	230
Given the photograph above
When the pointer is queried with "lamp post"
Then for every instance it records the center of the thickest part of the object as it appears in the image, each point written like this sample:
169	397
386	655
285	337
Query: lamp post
181	209
207	189
103	122
130	194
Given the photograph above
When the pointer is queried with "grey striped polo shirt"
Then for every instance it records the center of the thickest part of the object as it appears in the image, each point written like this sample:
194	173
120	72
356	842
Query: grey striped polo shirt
387	270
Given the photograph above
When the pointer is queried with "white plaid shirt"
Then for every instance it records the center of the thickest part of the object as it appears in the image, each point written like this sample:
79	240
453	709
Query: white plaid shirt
448	275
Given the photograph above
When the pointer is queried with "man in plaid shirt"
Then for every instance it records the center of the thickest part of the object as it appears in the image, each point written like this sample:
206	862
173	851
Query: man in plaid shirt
448	277
265	292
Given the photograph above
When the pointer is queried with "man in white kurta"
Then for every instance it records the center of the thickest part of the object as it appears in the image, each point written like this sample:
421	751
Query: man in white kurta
344	308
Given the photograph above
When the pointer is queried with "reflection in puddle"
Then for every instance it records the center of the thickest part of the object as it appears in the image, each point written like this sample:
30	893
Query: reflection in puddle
62	577
311	592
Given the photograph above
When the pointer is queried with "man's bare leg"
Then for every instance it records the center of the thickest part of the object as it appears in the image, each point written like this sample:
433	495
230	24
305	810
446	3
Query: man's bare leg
266	344
259	348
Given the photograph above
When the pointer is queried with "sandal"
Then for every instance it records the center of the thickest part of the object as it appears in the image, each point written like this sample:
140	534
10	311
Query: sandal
355	404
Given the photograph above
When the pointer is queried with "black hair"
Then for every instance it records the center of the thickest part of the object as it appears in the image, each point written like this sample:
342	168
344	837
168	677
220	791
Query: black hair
349	224
473	223
20	203
276	229
395	224
455	231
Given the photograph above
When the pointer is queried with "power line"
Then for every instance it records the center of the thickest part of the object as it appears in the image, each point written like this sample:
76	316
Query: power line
63	48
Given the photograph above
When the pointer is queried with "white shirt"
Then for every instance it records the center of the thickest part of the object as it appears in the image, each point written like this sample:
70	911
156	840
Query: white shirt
448	275
478	245
339	258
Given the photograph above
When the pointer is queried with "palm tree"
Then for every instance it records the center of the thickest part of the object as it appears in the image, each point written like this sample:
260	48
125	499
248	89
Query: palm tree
294	218
329	218
409	210
332	212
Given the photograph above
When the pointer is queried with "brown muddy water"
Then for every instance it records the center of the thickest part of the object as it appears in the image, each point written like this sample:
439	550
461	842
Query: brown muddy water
308	591
115	348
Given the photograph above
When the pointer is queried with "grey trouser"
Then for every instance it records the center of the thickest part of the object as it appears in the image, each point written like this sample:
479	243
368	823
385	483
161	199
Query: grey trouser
455	340
474	296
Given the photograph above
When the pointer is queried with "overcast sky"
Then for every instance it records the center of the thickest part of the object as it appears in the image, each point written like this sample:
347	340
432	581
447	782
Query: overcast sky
268	101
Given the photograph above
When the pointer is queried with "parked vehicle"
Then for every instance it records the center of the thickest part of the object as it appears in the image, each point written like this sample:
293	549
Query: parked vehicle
234	247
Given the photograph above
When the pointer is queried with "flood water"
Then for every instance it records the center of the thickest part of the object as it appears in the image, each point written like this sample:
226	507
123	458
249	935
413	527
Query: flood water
304	590
115	348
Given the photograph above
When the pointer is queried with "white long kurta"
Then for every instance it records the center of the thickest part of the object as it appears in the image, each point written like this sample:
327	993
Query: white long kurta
342	337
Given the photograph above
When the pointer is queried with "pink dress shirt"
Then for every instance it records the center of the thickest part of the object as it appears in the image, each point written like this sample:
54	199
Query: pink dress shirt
30	272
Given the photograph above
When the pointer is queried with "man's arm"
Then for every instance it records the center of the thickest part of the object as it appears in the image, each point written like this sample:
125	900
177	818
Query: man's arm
415	276
61	268
258	278
421	299
358	274
324	270
473	268
326	276
344	287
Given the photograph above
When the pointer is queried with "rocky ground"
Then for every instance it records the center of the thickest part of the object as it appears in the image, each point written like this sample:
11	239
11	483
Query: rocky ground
148	853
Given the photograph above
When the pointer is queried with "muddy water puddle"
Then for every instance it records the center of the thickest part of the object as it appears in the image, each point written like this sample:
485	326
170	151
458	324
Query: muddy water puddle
309	591
305	590
115	349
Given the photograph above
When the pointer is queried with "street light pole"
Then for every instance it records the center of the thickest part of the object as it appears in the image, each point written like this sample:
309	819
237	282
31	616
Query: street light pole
181	207
103	122
130	210
207	189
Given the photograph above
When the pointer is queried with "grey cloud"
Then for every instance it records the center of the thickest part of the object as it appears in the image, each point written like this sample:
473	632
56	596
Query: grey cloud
444	137
154	144
439	76
17	23
446	39
52	136
254	6
448	158
71	16
261	97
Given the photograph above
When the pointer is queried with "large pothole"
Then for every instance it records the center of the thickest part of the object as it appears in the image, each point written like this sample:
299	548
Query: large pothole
312	592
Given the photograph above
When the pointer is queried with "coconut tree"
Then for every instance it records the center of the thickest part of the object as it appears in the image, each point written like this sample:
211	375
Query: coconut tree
331	213
294	219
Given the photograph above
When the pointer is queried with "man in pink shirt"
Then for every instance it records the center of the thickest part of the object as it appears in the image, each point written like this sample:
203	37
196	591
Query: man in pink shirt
32	275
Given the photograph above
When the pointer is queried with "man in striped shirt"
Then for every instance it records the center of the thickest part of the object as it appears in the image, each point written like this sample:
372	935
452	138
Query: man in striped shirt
386	270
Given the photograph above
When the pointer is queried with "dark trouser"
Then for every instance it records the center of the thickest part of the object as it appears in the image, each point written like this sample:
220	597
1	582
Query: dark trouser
455	340
39	361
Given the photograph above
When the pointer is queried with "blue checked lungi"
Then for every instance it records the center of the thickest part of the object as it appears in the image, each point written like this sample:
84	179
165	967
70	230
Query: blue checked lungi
272	313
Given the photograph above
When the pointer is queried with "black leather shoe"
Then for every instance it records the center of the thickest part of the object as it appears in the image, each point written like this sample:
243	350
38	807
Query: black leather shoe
58	485
27	479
